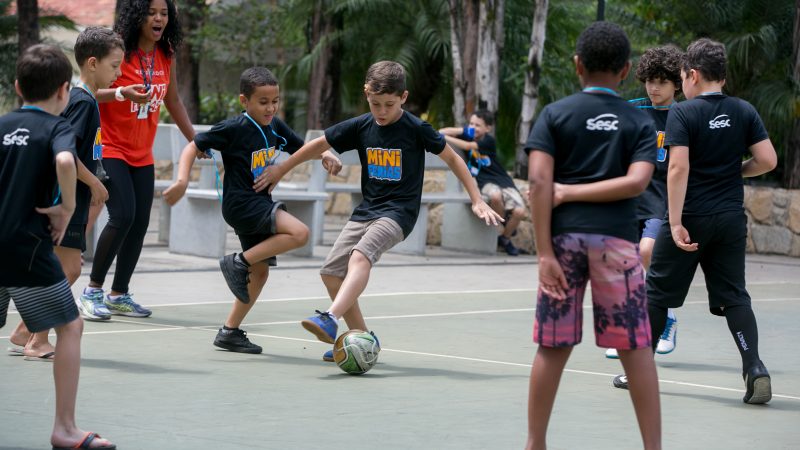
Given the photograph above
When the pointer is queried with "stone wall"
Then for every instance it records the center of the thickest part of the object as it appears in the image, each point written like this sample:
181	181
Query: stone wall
773	224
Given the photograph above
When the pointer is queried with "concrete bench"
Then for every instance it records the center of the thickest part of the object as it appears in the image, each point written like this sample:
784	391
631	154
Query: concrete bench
461	230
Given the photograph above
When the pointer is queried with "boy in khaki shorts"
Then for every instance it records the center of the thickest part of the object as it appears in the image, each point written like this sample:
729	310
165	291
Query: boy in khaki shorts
391	144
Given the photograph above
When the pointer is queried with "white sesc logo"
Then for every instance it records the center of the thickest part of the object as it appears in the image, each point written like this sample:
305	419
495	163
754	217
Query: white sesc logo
16	137
603	122
721	121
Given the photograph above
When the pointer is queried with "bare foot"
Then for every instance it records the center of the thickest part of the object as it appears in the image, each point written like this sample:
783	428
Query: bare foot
20	336
36	349
73	440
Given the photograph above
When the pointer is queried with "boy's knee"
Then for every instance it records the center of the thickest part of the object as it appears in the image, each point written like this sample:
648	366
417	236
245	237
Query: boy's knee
496	197
518	213
301	235
74	328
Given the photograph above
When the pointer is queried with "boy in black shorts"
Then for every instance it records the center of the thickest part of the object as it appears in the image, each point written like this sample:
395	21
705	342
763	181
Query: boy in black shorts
496	186
599	148
37	199
249	143
391	144
707	136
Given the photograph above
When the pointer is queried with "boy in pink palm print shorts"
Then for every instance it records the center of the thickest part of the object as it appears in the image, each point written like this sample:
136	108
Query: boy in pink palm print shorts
590	155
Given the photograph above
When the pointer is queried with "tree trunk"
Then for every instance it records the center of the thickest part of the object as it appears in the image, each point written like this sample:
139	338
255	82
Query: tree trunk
464	15
192	14
323	88
791	162
530	96
27	23
490	45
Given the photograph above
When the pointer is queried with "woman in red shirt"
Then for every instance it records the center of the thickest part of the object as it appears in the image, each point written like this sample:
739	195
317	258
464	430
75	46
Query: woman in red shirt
129	113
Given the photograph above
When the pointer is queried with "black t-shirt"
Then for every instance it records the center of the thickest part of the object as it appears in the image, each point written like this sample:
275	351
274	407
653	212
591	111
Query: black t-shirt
593	137
245	156
652	204
392	164
493	172
83	115
31	139
718	131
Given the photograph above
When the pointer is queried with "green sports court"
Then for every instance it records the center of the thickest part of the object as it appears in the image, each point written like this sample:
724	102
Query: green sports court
453	373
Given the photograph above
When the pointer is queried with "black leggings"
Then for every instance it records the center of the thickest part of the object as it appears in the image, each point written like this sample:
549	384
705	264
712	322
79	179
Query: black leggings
130	197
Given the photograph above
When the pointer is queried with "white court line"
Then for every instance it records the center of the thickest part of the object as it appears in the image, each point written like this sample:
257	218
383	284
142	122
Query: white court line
528	366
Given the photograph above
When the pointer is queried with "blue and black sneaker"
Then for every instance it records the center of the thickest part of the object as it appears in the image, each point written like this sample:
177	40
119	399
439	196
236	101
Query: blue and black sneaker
124	305
323	326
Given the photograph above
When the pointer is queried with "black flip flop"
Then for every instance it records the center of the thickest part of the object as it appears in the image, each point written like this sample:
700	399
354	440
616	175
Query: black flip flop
86	442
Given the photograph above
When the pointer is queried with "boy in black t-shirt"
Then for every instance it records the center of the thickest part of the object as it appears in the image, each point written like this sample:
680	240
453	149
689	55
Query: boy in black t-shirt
98	52
601	149
37	199
707	136
497	187
249	143
391	144
660	71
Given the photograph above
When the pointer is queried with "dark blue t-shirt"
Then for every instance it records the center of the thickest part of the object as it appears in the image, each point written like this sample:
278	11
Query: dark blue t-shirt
652	203
593	137
392	164
718	131
493	172
31	139
83	115
245	155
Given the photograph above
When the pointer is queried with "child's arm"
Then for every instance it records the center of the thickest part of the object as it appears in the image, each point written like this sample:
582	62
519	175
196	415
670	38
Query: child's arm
630	185
273	174
677	179
134	92
459	168
175	192
60	214
764	159
451	131
460	143
98	191
540	177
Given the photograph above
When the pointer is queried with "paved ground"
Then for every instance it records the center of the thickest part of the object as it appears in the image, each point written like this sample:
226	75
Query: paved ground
453	373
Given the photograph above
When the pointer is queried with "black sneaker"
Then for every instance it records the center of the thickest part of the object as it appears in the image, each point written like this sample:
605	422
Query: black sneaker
237	275
235	340
507	246
758	384
621	381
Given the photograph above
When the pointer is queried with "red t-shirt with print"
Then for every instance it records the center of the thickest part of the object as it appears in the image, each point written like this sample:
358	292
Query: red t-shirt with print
126	136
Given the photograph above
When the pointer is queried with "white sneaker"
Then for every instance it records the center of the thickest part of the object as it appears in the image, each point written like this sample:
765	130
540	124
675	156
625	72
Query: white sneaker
91	307
667	342
611	353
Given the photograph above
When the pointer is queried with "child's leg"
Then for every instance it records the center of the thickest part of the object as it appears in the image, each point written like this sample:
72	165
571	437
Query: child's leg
290	233
643	386
20	335
548	365
646	251
353	317
354	283
513	221
259	272
70	259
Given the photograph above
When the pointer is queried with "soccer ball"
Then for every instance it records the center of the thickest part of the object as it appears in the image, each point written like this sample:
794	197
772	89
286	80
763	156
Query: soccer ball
356	352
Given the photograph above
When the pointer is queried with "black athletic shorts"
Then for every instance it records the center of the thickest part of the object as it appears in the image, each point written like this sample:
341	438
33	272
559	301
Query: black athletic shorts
721	239
254	232
75	237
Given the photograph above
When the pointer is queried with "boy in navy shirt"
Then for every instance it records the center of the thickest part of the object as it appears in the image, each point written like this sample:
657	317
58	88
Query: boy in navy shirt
37	199
660	71
497	187
391	144
249	143
707	136
600	148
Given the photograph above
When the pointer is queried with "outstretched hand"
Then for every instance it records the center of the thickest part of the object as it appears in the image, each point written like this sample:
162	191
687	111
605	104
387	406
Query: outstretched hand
486	213
59	219
268	179
331	163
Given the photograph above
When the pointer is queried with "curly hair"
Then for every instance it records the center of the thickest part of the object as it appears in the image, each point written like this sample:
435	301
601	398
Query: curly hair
133	14
708	57
663	63
603	47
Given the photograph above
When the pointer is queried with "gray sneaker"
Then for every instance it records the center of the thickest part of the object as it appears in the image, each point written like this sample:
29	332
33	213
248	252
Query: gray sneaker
237	275
91	306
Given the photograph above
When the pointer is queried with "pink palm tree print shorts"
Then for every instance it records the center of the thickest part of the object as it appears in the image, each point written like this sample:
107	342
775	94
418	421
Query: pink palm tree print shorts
613	267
